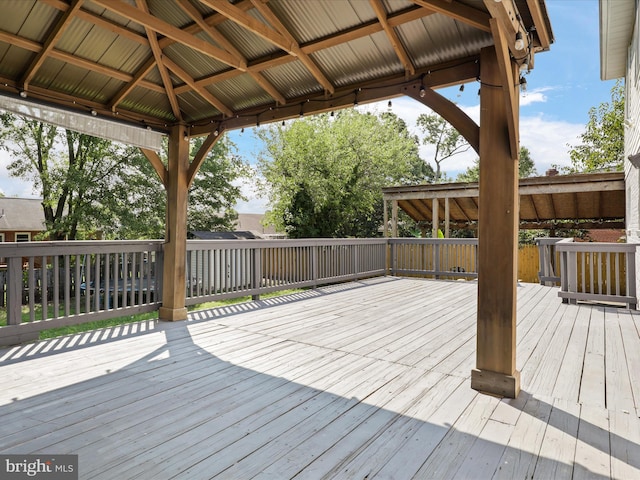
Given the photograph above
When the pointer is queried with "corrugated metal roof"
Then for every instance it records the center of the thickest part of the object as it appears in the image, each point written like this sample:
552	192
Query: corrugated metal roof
329	49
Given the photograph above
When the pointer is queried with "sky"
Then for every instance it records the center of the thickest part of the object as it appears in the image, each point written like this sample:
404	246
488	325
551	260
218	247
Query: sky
561	88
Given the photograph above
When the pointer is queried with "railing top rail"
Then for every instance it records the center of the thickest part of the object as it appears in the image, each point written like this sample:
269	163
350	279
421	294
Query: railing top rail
548	240
259	243
74	247
569	245
436	241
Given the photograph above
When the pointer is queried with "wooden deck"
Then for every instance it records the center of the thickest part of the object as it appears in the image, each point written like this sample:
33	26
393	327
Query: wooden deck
363	380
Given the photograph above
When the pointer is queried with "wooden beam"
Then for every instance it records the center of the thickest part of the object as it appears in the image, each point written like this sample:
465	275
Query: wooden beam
495	370
157	55
156	163
435	217
458	11
543	34
508	17
175	248
129	86
201	155
204	93
396	44
444	75
52	39
294	47
136	15
451	113
508	74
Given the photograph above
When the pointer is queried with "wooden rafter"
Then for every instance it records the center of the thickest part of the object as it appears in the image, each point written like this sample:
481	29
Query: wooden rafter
164	28
164	74
221	40
135	81
295	49
541	26
48	45
381	13
204	93
458	11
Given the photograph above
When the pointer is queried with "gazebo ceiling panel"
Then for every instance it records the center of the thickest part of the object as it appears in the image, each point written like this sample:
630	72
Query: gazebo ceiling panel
430	40
249	55
595	198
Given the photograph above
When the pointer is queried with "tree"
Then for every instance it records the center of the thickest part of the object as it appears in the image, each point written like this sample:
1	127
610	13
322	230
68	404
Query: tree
324	174
70	170
140	209
602	146
526	168
88	184
447	140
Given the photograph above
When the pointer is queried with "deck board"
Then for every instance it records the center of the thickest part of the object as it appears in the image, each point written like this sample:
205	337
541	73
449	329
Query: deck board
362	380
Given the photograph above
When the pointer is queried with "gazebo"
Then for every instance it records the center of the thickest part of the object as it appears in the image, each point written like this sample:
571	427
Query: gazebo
135	70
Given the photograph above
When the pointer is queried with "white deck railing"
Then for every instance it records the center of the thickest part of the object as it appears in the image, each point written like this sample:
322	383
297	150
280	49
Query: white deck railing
549	272
218	269
603	272
54	284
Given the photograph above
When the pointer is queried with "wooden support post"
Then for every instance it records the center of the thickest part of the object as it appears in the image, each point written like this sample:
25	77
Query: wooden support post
495	370
175	248
394	218
435	220
385	218
447	220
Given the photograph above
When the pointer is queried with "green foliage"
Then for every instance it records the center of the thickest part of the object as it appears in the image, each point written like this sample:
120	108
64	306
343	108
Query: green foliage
446	139
139	211
324	174
526	168
602	146
89	184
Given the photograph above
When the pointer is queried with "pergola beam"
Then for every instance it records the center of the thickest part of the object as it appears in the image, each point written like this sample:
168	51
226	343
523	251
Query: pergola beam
396	44
458	11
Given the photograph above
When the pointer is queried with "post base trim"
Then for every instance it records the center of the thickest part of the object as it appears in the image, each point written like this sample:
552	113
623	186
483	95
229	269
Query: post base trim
496	383
172	314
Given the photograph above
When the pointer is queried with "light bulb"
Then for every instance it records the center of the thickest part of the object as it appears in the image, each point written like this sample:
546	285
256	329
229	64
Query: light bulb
519	45
423	91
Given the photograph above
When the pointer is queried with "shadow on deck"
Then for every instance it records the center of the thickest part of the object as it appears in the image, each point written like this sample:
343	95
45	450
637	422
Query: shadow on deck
361	380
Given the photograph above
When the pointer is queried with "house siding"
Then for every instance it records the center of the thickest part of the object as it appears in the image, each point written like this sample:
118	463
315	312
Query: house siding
632	141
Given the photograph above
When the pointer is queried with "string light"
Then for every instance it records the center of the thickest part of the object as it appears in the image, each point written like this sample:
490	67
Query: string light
93	112
519	45
389	105
423	91
23	93
523	84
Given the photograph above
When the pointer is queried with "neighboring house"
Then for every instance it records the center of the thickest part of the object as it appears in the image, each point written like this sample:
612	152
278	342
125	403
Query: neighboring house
253	222
620	58
21	219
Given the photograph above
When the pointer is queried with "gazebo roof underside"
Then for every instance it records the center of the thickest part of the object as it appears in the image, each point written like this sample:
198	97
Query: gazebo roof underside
216	65
589	201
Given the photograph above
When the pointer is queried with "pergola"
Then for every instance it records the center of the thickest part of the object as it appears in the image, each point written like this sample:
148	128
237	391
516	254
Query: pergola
188	68
559	202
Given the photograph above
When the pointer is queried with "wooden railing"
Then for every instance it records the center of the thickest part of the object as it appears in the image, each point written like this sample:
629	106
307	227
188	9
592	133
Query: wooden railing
602	272
549	272
56	284
443	258
221	269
